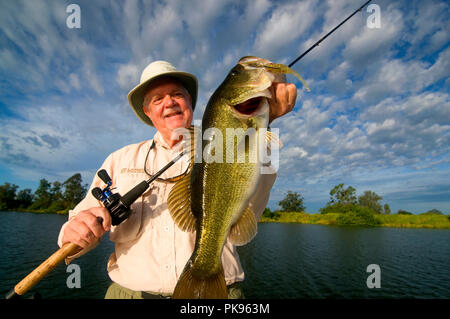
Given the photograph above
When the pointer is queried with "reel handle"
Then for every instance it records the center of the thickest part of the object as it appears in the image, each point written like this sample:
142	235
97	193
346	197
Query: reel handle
104	176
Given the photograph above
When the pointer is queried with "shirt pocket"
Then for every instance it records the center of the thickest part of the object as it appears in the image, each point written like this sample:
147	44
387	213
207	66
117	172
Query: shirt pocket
149	201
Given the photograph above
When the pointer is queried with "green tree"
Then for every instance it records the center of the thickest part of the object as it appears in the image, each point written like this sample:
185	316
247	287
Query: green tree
24	198
58	202
371	200
42	196
360	215
433	211
74	191
342	196
292	202
8	196
342	200
56	191
387	209
269	214
337	208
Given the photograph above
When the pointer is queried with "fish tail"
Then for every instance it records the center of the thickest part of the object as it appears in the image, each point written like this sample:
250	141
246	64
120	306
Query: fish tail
192	286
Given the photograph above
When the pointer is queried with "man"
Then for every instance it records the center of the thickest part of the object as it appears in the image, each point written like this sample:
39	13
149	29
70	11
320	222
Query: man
150	250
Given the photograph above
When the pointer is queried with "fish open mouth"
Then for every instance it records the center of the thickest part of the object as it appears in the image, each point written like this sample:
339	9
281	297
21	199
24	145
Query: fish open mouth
254	103
250	106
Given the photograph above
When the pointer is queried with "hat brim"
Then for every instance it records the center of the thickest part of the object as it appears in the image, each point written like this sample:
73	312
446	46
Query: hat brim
136	95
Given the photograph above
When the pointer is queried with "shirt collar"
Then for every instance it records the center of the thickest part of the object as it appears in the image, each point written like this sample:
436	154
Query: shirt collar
159	141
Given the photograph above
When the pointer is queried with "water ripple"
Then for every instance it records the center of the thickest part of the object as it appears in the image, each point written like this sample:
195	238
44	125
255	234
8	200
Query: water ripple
283	261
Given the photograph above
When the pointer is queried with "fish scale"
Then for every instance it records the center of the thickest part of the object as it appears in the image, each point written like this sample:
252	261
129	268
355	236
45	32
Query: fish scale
216	197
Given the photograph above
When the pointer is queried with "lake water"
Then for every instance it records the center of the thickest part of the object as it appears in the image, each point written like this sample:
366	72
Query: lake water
283	261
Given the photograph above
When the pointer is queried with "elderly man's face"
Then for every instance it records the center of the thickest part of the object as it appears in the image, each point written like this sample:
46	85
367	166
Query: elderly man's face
168	105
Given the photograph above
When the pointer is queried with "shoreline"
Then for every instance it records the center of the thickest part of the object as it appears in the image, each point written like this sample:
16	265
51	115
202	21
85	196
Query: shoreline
392	221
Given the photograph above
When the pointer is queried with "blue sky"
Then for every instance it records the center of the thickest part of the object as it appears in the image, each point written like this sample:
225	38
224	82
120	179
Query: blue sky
377	117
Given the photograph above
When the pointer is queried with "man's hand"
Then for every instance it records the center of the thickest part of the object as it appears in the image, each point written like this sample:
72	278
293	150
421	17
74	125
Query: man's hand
84	229
283	99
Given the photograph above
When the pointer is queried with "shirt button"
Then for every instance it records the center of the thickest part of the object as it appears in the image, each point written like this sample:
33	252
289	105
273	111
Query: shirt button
166	228
167	267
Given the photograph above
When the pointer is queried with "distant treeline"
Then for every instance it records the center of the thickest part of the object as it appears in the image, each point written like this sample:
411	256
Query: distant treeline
434	221
49	197
345	207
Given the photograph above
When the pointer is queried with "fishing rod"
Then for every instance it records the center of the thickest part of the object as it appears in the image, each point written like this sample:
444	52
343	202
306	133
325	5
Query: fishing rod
326	36
119	209
117	205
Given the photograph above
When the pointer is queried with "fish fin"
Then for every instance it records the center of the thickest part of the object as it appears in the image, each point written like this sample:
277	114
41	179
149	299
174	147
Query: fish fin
194	135
244	229
179	204
273	137
190	286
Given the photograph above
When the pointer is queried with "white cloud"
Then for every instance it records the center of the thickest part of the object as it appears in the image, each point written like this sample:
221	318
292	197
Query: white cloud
63	136
437	40
388	124
254	12
369	45
74	81
427	106
128	76
326	16
287	23
8	59
427	27
402	77
378	103
48	52
394	133
199	15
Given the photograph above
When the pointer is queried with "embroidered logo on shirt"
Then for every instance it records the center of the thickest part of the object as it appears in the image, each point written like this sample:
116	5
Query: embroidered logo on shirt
132	170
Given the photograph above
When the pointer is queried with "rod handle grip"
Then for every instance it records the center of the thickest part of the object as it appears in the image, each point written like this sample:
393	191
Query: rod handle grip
43	269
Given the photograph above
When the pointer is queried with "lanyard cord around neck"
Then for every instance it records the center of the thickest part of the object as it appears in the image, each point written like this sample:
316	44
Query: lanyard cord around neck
162	180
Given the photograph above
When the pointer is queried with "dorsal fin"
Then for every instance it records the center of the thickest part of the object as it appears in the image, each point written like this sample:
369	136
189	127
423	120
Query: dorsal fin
179	204
179	200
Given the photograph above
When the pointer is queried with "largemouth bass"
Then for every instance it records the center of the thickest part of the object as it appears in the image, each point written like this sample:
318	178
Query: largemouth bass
213	199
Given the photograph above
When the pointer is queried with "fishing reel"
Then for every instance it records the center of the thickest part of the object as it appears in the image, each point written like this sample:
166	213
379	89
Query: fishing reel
119	206
112	201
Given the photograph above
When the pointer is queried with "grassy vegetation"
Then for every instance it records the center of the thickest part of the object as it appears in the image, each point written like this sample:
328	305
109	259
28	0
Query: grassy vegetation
303	218
415	221
394	220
